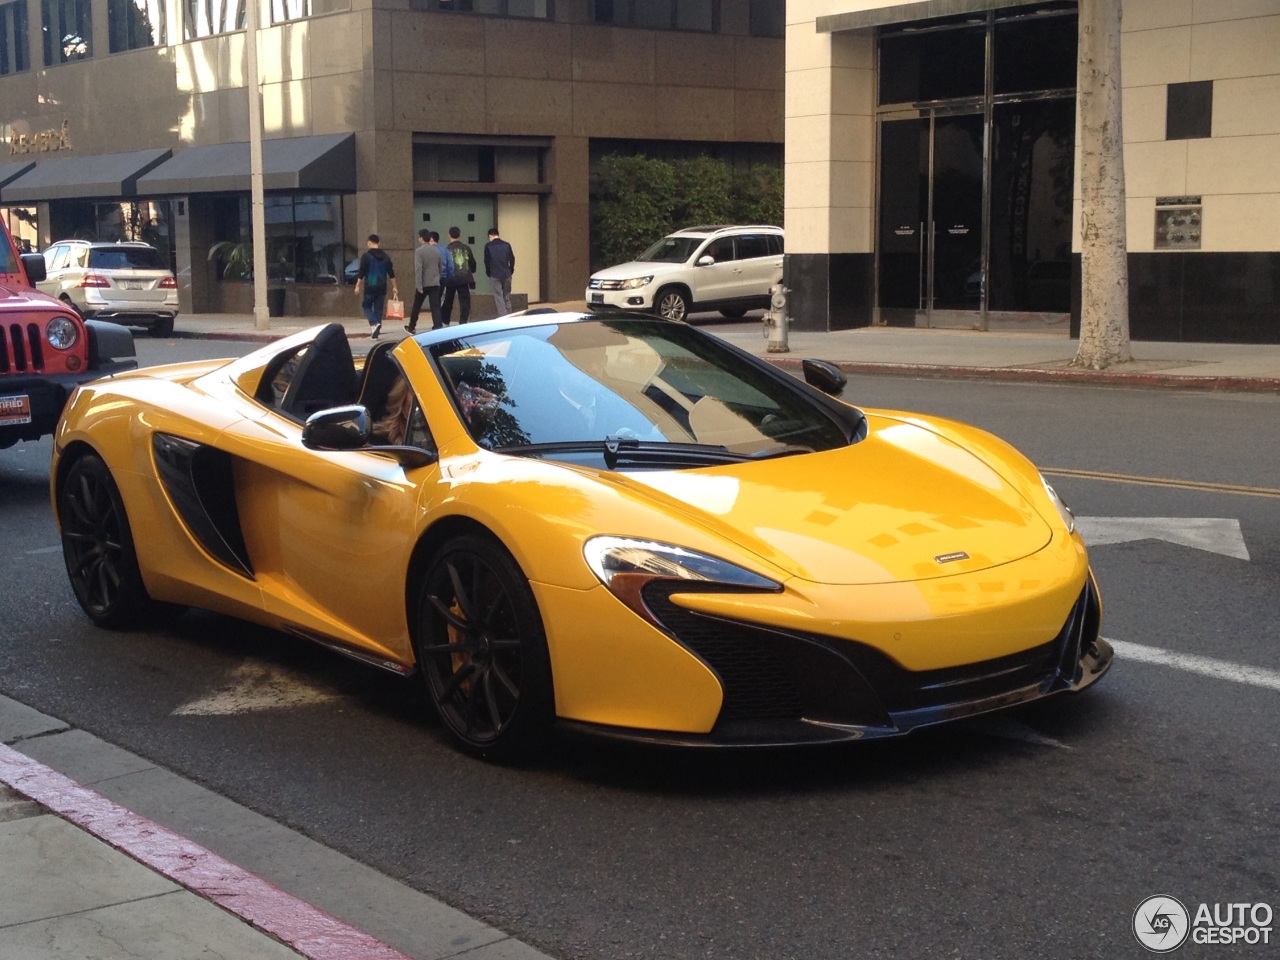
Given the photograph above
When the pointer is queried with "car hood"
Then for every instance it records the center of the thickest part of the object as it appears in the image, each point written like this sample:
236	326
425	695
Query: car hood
903	504
16	296
636	268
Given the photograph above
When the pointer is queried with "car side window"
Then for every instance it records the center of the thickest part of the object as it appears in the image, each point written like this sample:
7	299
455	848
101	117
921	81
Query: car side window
720	250
775	244
79	257
752	245
53	256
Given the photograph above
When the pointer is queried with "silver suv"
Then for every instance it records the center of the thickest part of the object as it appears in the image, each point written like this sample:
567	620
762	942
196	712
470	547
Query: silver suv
723	268
126	282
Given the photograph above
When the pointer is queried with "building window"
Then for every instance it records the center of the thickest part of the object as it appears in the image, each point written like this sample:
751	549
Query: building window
135	24
67	26
768	18
282	11
699	15
1189	111
304	240
13	38
205	18
526	9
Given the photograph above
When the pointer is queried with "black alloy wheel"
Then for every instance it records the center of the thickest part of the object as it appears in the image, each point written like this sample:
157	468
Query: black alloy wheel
98	548
482	650
673	304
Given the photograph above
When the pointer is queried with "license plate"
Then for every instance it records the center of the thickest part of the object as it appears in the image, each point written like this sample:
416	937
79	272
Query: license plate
131	284
15	410
597	298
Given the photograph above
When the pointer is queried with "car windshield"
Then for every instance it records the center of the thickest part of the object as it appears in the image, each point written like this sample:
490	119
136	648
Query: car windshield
639	391
8	262
124	258
671	250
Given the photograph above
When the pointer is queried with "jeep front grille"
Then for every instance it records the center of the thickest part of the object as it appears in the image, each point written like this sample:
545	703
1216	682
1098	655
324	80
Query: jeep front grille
23	348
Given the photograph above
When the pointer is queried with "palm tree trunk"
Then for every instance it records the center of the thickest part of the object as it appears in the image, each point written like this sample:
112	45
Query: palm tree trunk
1104	307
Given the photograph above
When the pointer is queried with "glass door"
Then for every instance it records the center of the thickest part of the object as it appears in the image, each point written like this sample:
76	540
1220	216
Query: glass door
930	244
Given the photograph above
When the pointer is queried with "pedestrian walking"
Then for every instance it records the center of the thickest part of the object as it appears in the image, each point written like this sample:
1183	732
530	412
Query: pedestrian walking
426	281
463	279
376	272
499	266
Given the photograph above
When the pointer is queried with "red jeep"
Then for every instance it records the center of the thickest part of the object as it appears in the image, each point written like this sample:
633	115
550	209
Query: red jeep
46	350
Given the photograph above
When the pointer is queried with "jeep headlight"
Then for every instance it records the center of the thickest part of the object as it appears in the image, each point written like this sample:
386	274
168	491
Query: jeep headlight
61	333
626	566
1060	505
636	282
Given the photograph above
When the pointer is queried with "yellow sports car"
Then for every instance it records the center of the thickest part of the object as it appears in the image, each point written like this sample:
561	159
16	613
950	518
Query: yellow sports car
612	524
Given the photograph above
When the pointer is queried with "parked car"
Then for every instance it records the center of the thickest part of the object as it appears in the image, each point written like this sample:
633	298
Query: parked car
724	268
46	348
126	282
613	524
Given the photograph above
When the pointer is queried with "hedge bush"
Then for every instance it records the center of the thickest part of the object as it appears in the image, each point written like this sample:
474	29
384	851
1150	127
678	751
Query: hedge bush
636	200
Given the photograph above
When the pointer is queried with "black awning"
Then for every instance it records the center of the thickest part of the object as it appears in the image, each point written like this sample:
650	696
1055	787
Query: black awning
12	171
322	163
108	175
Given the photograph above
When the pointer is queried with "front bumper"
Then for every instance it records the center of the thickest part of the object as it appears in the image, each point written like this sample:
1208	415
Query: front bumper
638	299
787	688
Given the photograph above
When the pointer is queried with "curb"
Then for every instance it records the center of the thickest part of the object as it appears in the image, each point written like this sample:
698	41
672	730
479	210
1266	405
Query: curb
1032	374
936	371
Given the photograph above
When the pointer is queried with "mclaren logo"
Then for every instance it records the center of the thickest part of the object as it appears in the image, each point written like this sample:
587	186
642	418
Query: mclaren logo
951	557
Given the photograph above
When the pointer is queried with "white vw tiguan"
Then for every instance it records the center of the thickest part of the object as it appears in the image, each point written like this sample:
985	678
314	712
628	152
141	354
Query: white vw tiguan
723	268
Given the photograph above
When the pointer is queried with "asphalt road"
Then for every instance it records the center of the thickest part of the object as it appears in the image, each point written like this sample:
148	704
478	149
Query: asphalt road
1033	834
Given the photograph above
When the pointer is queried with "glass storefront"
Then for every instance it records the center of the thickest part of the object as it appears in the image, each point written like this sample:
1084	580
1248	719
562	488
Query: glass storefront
976	147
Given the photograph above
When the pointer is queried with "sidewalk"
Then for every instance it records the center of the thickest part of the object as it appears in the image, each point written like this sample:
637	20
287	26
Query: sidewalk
990	355
145	865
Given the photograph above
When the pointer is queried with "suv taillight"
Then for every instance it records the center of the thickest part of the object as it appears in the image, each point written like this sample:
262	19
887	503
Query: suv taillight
168	283
93	280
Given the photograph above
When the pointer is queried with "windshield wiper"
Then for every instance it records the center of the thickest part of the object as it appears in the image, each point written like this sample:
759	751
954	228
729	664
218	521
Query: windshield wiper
616	450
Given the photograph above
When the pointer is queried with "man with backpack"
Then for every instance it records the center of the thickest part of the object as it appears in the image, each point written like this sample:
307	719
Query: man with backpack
462	279
375	273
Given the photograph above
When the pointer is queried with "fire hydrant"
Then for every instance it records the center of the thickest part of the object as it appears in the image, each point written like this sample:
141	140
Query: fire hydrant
776	320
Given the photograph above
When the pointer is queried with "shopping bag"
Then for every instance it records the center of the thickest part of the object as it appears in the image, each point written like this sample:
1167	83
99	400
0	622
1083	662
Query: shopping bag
395	310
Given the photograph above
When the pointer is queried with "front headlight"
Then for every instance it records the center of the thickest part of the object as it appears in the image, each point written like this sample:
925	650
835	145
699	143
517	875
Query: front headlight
1060	505
635	282
626	566
61	333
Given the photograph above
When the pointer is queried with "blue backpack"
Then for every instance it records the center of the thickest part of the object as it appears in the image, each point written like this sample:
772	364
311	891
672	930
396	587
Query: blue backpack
446	263
376	276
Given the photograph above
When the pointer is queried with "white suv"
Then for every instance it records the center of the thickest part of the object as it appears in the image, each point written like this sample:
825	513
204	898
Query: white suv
126	282
729	269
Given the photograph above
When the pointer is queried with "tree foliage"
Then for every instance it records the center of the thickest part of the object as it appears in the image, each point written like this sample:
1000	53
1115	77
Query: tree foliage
637	200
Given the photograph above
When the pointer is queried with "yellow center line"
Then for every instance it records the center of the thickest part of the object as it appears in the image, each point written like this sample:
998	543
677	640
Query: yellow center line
1271	492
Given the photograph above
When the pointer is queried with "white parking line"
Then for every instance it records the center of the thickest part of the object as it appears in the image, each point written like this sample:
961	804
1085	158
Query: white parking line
1205	666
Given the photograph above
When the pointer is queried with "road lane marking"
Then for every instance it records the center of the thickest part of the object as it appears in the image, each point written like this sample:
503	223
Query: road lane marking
1204	487
1214	534
1205	666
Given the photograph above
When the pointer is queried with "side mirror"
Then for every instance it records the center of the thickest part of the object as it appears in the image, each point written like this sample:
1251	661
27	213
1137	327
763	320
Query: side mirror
705	261
347	428
827	377
338	428
34	264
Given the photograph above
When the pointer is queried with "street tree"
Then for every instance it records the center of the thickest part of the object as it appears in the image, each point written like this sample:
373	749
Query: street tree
1104	306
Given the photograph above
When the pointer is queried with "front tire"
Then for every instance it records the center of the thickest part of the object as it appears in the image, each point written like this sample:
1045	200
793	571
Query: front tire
734	313
673	303
482	650
98	547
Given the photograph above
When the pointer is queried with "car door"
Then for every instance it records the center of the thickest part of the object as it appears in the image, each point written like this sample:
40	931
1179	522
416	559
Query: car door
759	265
55	259
330	533
716	280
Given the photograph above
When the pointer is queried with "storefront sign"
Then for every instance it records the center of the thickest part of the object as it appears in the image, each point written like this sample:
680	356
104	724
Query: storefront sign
42	141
